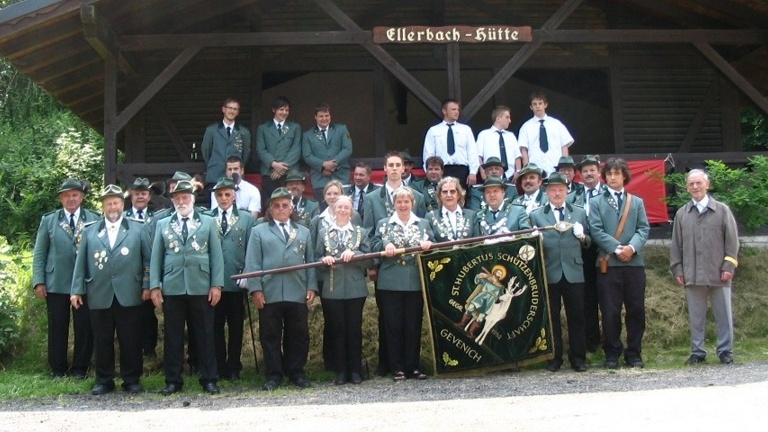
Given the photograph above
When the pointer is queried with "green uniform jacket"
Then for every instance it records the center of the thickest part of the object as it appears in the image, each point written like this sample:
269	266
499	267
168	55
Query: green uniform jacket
516	219
306	210
217	146
233	243
315	151
399	273
272	146
443	231
476	198
348	279
55	249
429	191
375	207
541	199
103	273
604	217
189	267
562	250
268	249
149	214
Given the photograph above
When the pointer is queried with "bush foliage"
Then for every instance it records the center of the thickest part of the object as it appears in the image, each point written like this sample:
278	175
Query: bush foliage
745	190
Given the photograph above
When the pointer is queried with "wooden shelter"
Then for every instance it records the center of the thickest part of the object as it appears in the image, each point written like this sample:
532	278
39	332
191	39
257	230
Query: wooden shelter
633	77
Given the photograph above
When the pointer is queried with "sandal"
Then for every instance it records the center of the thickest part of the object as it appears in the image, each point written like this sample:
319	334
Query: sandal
399	376
419	375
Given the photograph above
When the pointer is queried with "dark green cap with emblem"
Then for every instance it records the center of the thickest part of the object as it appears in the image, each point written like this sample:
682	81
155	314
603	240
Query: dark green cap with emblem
140	183
181	175
184	186
280	192
494	161
530	168
565	161
294	176
406	157
72	184
225	183
589	160
111	191
493	181
557	178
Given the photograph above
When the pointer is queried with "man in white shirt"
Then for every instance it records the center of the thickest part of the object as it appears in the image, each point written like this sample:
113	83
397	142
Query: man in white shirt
247	196
455	143
497	141
543	149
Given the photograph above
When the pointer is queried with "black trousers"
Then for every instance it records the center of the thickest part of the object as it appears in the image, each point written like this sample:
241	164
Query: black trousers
591	304
344	321
230	311
284	335
460	172
148	327
124	321
571	296
177	309
622	286
402	313
383	362
58	311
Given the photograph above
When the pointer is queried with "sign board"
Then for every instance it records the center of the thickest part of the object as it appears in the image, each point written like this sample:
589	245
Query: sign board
451	34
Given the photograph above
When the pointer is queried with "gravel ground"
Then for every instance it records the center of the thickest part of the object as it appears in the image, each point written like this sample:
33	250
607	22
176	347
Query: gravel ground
710	397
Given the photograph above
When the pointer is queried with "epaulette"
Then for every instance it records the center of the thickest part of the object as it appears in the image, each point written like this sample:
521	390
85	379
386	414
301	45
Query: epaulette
87	224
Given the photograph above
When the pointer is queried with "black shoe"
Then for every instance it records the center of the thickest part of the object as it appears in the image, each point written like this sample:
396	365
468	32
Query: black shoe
340	379
170	389
695	359
418	375
133	388
611	363
725	358
355	378
302	382
104	388
579	365
635	362
554	365
270	385
211	388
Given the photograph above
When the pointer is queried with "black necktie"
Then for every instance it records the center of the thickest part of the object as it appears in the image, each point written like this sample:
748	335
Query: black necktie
360	203
140	214
285	231
72	222
618	198
502	149
562	213
279	128
451	141
494	213
325	137
224	223
184	230
587	196
229	131
543	142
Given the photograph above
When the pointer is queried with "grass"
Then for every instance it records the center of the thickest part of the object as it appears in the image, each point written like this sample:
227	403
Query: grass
666	343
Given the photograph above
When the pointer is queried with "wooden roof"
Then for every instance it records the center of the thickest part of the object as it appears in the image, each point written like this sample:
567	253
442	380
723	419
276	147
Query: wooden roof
63	49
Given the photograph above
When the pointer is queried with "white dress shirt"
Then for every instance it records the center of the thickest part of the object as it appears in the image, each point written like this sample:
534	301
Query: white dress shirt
557	138
488	147
436	144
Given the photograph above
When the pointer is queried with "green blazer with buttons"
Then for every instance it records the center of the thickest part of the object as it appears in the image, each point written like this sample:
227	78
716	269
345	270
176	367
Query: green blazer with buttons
604	216
271	145
315	150
233	243
190	266
345	281
55	249
562	250
105	273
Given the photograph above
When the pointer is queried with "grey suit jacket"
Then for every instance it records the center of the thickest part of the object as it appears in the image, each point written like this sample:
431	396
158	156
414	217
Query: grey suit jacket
562	251
315	151
104	273
604	216
375	207
233	243
345	281
190	266
268	249
272	145
217	146
55	249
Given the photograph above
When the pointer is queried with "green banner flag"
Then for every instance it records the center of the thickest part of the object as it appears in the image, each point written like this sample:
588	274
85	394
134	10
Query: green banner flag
487	305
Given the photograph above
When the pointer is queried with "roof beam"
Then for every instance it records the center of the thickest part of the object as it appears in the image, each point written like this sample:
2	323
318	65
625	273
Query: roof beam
100	36
733	75
31	13
506	72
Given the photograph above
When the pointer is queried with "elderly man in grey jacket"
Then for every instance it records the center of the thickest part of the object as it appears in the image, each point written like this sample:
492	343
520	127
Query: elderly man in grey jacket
702	257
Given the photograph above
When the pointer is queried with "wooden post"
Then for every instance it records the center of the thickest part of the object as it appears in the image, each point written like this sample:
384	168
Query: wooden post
110	120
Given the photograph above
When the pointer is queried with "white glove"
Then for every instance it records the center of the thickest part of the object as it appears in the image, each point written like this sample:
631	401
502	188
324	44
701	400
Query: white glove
535	232
578	230
242	283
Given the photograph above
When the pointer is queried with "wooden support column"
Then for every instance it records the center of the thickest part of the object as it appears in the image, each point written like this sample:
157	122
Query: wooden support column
617	109
379	113
389	62
517	60
709	102
110	120
454	70
733	75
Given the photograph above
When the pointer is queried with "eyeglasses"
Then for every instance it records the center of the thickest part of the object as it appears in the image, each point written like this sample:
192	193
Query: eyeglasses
281	206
